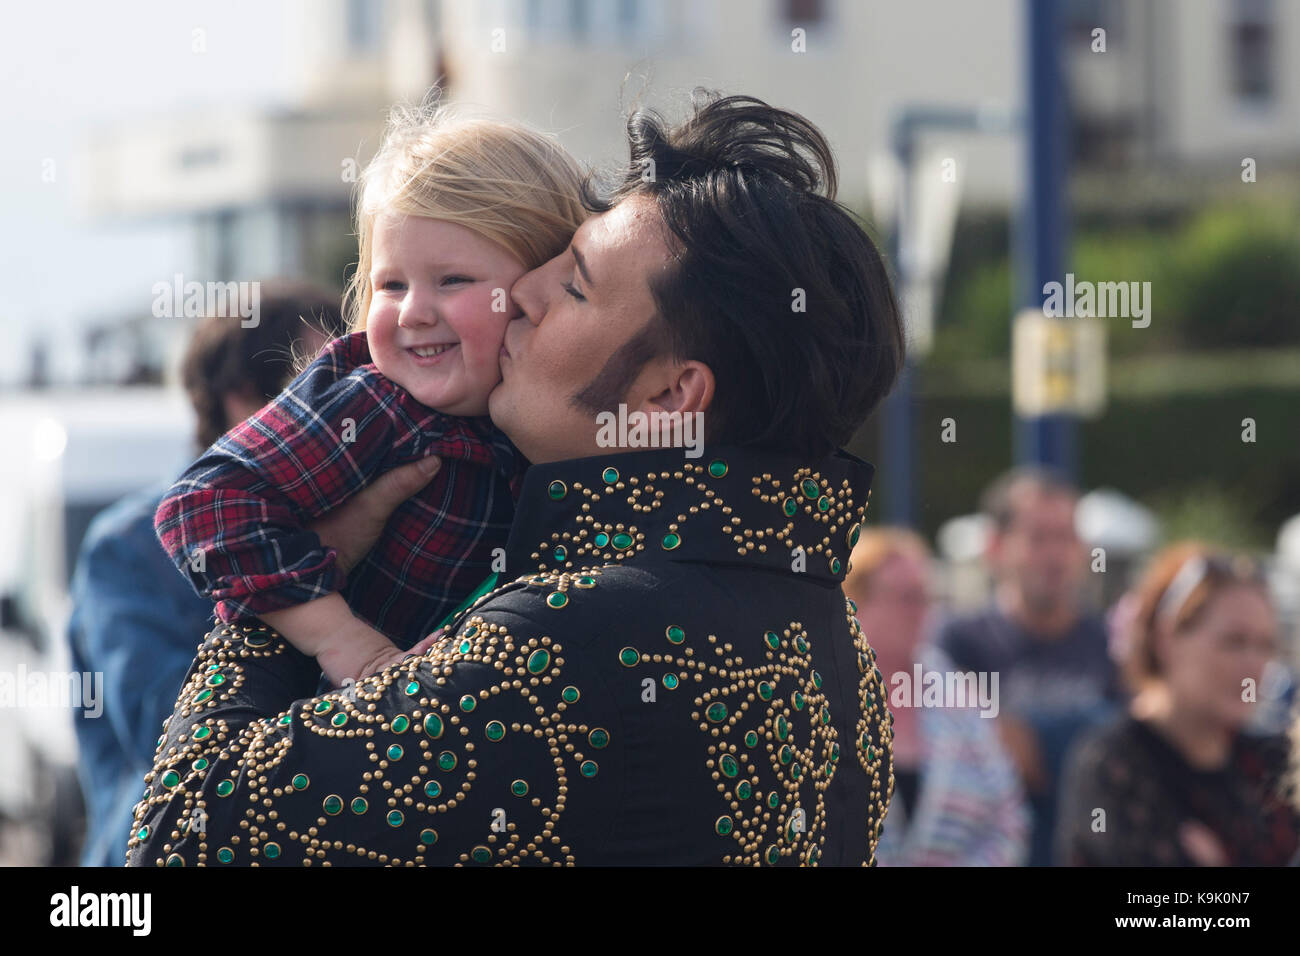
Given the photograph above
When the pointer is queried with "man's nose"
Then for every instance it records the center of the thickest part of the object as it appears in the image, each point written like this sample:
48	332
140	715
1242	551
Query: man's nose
527	294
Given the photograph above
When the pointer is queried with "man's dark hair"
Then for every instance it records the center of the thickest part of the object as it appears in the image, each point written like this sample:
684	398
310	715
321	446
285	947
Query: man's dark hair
999	500
225	358
747	192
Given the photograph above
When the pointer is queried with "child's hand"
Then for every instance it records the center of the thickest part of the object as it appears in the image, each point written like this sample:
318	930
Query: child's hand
396	656
356	652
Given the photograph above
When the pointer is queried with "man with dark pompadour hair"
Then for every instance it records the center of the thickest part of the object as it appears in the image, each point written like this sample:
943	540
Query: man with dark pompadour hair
665	670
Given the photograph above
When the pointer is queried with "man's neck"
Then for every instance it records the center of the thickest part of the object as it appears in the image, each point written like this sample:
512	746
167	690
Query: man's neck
1045	622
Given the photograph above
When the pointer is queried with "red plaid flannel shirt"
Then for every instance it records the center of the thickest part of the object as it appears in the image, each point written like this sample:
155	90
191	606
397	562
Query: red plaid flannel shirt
234	521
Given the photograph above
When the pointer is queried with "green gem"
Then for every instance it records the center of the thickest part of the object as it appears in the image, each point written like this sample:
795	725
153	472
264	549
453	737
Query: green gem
801	645
744	789
782	728
359	806
823	504
559	553
835	752
671	541
797	699
519	788
468	703
773	800
826	715
323	707
817	680
609	475
271	851
412	688
471	630
790	506
773	854
773	639
570	694
871	755
622	540
286	720
786	754
796	771
170	779
853	605
481	854
464	647
203	733
216	679
810	489
433	726
675	634
395	818
670	681
339	719
728	766
628	657
202	696
225	788
556	490
399	724
257	640
557	599
751	739
835	565
717	712
225	854
432	789
765	690
142	833
299	781
175	860
588	768
854	533
446	760
538	661
428	837
722	826
586	582
602	539
717	468
395	752
599	738
332	805
495	730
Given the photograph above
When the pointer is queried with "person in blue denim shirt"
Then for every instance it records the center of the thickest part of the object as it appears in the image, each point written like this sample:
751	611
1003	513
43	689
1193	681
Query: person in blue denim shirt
134	618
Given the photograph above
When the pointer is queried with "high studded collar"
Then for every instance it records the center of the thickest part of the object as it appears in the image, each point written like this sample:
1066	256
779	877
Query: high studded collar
733	506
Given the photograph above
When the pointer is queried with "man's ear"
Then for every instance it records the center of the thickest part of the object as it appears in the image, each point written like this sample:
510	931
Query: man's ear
690	389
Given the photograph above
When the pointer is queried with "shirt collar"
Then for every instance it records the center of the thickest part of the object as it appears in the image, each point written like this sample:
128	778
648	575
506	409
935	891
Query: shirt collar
731	505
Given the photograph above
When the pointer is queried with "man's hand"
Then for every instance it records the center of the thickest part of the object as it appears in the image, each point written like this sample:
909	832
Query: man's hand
353	529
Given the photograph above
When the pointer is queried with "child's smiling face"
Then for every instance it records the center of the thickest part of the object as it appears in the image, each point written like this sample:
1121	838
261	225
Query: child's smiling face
431	327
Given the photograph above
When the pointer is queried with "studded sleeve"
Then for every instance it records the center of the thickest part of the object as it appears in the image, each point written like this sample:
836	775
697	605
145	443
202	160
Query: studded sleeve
490	749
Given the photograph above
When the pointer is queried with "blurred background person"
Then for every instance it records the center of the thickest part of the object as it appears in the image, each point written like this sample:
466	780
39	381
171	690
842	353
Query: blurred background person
1050	652
1180	777
957	799
134	618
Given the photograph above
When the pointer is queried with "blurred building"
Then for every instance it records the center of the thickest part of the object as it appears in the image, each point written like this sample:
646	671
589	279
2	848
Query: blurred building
1171	87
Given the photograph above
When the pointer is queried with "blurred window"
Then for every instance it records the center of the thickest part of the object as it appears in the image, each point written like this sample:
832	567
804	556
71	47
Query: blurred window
1251	35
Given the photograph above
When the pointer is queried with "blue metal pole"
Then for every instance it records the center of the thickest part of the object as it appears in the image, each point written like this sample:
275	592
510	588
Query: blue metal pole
1048	439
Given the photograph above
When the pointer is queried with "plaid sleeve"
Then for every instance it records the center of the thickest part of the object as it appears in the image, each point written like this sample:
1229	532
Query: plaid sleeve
234	521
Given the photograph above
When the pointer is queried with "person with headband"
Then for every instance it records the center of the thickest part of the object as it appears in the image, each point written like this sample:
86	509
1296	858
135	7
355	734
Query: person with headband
1180	779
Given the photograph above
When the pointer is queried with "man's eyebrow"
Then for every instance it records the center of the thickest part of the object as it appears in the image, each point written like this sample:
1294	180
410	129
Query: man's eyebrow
582	265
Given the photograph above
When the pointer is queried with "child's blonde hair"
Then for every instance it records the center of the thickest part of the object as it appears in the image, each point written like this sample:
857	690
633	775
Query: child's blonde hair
504	180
